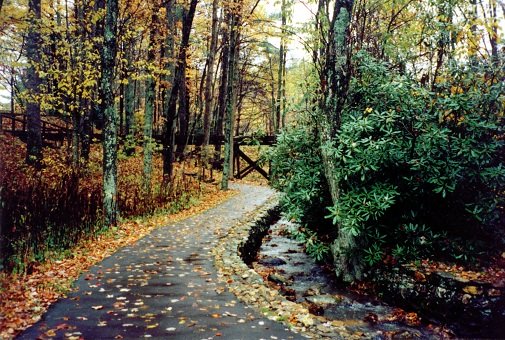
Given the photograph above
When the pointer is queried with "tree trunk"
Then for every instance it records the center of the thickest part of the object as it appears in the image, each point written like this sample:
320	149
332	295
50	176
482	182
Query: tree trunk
86	132
130	105
150	103
110	115
279	109
34	124
335	77
230	101
493	32
223	86
169	129
97	110
210	76
183	110
75	137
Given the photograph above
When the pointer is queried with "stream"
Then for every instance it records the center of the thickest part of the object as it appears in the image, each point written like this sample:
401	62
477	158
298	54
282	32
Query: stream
286	266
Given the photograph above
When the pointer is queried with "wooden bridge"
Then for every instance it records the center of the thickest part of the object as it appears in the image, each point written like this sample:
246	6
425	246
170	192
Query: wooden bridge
54	134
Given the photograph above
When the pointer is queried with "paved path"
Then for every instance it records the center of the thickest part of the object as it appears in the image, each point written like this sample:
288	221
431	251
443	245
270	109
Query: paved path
164	286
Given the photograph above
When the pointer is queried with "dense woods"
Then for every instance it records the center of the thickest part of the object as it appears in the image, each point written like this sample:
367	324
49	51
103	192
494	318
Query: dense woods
389	125
139	77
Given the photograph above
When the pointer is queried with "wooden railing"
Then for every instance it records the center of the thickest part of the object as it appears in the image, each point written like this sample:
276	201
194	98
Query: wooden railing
16	125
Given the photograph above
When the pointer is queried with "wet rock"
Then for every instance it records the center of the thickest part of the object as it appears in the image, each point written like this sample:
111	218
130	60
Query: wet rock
272	262
323	328
277	278
406	335
314	290
466	298
323	300
471	307
440	292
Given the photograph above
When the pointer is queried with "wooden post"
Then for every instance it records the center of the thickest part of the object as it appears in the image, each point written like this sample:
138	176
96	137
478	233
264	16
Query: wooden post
237	158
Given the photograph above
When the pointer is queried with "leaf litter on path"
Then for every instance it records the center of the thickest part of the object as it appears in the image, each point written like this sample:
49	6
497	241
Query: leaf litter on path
24	298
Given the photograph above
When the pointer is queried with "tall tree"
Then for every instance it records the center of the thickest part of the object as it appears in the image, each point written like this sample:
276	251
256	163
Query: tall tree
281	81
110	114
334	59
130	102
33	82
210	74
178	83
223	86
234	29
150	102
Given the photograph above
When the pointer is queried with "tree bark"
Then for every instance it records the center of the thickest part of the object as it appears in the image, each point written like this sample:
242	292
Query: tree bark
98	106
130	104
110	115
279	109
230	101
171	112
223	86
493	32
183	109
34	124
210	76
149	110
335	76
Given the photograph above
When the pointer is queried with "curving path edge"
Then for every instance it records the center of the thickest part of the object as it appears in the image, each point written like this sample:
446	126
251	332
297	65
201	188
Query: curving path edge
164	286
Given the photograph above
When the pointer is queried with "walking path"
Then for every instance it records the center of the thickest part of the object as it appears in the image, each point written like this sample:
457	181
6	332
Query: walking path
164	286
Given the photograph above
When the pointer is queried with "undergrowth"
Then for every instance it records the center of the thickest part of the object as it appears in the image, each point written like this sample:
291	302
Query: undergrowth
47	211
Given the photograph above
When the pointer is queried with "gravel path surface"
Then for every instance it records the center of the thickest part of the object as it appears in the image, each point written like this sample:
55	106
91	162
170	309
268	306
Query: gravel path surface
164	286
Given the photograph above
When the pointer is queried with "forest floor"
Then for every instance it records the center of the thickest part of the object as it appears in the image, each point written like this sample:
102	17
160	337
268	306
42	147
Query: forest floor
163	285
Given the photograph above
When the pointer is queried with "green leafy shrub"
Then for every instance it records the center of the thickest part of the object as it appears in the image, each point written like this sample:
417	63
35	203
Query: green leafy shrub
420	170
437	154
297	171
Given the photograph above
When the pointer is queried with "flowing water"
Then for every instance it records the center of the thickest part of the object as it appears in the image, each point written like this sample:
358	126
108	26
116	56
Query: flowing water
305	281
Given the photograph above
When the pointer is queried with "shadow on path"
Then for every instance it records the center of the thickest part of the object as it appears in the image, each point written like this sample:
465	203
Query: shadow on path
163	286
